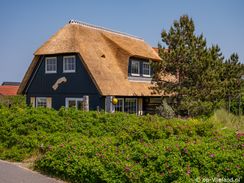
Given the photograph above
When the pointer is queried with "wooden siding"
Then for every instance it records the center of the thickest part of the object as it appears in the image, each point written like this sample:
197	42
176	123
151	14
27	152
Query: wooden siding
78	84
150	104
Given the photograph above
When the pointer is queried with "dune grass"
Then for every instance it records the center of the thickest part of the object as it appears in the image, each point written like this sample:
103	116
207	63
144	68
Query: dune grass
229	120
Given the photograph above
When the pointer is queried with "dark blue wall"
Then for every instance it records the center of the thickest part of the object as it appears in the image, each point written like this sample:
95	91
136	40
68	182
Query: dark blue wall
78	84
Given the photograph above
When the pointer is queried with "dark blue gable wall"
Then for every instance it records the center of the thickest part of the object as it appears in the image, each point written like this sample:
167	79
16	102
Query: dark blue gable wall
78	84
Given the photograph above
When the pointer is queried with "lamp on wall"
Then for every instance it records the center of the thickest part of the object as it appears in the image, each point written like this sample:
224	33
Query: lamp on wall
114	101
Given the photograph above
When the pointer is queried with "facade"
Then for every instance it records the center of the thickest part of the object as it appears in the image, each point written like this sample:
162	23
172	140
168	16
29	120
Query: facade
86	66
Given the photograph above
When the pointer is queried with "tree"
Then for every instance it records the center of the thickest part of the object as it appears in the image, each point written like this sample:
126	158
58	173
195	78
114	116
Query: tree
233	71
198	70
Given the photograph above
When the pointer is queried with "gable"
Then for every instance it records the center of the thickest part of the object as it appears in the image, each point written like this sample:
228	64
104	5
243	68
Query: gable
42	82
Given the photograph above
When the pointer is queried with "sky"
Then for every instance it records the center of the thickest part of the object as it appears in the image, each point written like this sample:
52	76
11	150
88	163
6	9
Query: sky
26	24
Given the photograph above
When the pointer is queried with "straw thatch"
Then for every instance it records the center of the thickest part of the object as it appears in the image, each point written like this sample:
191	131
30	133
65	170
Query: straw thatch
105	54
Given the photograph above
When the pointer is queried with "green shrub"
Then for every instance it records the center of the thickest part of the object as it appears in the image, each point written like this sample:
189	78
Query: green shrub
101	147
12	101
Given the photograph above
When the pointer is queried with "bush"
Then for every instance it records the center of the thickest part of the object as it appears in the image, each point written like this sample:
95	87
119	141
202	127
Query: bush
12	101
165	110
100	147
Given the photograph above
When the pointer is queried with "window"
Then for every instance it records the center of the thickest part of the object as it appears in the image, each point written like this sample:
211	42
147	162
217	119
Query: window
41	102
119	107
51	65
135	68
146	69
74	102
69	64
130	105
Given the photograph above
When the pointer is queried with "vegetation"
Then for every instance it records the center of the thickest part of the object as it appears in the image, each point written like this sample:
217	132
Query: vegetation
204	79
9	101
100	147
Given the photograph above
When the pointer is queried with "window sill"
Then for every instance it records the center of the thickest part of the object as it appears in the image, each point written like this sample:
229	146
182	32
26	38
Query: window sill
137	75
140	79
51	72
68	71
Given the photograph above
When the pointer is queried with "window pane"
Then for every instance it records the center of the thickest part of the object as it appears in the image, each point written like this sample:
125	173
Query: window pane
135	67
41	102
69	64
119	105
72	103
80	105
51	64
130	105
146	69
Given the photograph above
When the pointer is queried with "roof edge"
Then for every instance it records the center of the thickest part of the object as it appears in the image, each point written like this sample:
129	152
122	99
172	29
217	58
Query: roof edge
104	29
27	75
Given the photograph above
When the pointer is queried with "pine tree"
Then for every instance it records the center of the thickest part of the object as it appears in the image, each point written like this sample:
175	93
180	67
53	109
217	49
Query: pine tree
198	88
233	71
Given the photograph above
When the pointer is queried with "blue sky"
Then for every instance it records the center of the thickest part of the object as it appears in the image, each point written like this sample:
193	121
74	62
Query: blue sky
26	24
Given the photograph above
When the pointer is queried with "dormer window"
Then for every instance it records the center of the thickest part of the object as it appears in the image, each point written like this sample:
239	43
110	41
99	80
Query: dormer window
69	64
139	70
146	69
135	68
51	65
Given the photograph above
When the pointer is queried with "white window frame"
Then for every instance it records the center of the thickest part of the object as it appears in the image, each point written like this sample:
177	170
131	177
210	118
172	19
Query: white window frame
76	100
146	75
123	105
36	102
135	62
127	99
46	60
69	71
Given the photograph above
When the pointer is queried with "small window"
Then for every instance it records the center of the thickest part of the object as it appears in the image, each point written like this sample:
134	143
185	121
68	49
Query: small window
69	64
41	102
146	69
51	65
130	105
119	107
135	68
74	102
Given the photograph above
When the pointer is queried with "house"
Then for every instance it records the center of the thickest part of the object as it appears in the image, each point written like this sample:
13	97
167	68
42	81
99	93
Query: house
9	88
86	65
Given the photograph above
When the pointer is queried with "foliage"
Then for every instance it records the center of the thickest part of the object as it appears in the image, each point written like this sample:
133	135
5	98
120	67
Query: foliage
229	120
11	101
202	78
100	147
165	110
236	105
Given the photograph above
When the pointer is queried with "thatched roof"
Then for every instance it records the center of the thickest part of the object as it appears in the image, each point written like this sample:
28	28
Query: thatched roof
105	54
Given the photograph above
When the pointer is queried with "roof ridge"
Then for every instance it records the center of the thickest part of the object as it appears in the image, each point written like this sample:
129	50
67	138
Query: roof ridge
104	29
